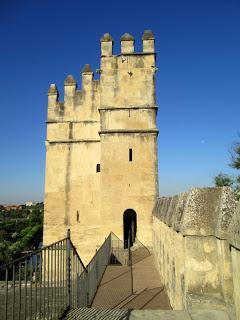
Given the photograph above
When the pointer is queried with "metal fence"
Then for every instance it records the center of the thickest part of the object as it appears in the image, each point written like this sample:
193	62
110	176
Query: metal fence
96	268
120	255
43	284
48	282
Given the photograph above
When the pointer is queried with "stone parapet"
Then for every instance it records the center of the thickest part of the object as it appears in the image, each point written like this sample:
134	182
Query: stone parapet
196	248
202	212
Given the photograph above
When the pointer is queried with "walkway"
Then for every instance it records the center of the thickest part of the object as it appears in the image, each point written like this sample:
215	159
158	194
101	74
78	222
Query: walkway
114	299
148	292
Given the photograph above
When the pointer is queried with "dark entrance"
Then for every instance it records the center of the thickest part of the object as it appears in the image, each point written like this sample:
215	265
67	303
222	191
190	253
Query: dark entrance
129	226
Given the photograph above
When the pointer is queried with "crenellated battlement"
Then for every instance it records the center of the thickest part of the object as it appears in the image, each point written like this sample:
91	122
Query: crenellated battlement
126	79
78	104
127	42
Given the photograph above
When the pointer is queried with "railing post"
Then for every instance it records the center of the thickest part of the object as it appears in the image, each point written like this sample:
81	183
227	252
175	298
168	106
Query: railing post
6	293
88	288
130	261
129	250
68	257
88	279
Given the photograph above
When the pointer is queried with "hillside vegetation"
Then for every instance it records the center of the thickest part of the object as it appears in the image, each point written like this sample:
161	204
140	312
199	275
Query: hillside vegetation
20	231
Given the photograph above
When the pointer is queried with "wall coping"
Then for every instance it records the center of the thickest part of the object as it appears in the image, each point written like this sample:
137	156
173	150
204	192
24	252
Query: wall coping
212	211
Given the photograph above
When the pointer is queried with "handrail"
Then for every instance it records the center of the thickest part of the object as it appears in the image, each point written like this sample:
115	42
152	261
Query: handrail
53	279
112	233
102	245
44	283
96	268
29	255
143	245
80	260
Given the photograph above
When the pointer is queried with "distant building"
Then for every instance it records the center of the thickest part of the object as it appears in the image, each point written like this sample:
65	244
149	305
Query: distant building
29	204
13	207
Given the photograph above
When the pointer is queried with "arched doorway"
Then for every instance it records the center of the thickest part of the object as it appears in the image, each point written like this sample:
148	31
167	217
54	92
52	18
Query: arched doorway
129	226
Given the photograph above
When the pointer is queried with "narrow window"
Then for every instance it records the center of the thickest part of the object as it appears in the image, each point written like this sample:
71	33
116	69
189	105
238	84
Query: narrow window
98	167
77	216
130	154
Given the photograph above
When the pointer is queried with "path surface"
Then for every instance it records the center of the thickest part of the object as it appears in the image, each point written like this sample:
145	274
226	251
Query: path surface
148	292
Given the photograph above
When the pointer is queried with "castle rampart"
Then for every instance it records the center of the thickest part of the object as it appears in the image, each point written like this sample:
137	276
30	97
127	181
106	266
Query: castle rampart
196	245
102	176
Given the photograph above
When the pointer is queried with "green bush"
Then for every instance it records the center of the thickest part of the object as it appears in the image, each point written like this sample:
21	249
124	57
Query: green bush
21	234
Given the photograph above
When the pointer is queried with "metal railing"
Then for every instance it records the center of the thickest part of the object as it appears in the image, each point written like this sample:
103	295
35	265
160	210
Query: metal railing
91	277
96	268
119	253
48	282
43	284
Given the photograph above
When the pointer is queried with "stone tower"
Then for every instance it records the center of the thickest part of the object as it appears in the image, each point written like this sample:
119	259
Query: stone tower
101	150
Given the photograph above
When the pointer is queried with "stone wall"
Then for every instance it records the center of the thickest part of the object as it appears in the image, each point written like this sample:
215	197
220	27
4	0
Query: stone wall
196	244
90	180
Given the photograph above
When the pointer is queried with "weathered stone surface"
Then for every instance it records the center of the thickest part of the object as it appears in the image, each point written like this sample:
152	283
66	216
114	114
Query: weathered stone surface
98	124
148	35
159	315
235	255
195	301
106	38
148	41
208	315
127	37
227	212
69	81
87	69
168	249
201	211
196	247
178	315
52	89
234	228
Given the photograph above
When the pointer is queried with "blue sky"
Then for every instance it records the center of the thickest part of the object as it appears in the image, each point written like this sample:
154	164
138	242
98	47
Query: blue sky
198	55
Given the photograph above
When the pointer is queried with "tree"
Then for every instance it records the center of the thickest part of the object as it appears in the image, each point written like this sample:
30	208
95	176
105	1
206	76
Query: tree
4	254
236	156
20	234
35	217
223	179
3	235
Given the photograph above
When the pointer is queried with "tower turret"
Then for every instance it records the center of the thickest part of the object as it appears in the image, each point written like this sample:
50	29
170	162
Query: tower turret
87	76
106	45
52	95
127	43
69	90
52	100
148	41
